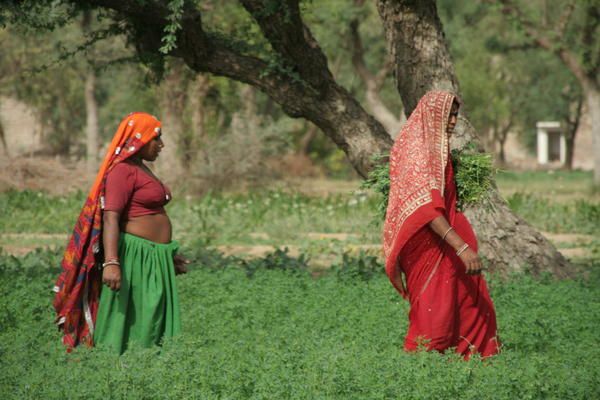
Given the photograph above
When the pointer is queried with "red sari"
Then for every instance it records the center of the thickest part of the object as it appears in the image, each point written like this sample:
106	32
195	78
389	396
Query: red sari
448	308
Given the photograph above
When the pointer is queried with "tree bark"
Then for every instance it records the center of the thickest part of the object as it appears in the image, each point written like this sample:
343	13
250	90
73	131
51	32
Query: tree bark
372	82
572	122
172	160
3	140
91	106
592	98
201	88
303	85
501	135
416	41
91	127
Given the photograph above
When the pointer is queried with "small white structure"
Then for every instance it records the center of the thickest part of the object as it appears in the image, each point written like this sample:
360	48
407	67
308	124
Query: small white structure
551	143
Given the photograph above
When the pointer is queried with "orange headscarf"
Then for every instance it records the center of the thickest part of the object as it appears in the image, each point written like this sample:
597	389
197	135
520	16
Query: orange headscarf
417	163
78	286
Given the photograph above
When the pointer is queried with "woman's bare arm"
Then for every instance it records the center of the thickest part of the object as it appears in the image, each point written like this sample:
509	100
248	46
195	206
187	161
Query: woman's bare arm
469	257
111	275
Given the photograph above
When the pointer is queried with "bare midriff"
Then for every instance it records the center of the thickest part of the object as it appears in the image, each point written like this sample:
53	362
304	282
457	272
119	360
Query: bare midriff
155	227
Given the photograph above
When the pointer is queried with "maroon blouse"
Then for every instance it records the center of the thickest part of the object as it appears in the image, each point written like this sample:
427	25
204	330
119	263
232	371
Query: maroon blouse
132	192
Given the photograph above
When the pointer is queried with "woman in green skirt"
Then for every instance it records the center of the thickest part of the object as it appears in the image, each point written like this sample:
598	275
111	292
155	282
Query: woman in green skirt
122	239
140	257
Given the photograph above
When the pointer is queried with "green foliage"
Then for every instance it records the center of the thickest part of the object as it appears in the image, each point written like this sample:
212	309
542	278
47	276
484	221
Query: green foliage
505	80
173	26
378	180
363	267
578	216
236	218
287	335
30	212
474	176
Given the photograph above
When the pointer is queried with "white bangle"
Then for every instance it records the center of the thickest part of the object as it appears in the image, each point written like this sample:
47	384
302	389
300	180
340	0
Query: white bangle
462	249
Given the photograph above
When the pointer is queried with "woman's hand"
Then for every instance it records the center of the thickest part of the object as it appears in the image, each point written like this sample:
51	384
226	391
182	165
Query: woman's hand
180	264
111	276
471	260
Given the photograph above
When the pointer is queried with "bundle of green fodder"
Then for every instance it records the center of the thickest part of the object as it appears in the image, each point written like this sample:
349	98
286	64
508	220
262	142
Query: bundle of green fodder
473	172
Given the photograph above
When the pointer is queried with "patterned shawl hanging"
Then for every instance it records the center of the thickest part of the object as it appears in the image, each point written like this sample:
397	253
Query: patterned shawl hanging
417	162
78	286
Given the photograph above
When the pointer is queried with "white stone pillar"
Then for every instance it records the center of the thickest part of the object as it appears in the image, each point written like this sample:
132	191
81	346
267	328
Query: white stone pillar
542	146
543	127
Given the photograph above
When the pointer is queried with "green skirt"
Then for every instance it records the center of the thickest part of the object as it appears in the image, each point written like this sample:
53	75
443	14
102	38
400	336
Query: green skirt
146	307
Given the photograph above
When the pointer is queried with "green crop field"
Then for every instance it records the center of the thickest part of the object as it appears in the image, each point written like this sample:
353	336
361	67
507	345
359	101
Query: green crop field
319	321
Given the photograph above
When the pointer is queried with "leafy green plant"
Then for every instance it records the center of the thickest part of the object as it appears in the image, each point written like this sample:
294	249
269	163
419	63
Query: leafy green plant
379	181
363	267
474	176
288	335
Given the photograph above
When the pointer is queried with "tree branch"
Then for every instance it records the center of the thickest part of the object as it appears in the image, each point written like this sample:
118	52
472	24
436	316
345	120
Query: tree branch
372	82
357	49
283	27
315	96
588	38
563	21
202	52
566	56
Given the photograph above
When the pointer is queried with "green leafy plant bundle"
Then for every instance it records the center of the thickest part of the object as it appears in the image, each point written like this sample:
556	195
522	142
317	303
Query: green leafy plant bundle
474	176
473	172
378	180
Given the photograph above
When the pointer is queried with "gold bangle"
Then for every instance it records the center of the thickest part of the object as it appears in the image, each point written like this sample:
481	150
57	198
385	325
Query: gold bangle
111	262
462	249
446	234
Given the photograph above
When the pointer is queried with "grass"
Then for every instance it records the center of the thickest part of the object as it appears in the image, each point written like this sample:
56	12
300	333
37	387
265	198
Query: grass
279	218
279	333
266	328
555	186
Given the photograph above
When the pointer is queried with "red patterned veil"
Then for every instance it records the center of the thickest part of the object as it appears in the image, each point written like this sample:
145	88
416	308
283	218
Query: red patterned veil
417	163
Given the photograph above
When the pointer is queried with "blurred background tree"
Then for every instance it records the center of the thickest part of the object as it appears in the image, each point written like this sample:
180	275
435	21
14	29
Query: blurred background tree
324	63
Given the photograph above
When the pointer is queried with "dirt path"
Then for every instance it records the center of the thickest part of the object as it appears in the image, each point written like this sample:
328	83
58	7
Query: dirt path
18	244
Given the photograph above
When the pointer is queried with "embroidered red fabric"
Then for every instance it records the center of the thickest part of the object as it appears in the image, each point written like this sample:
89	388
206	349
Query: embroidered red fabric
448	307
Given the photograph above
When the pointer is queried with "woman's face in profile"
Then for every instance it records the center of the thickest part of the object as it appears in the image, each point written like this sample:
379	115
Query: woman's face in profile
452	118
151	150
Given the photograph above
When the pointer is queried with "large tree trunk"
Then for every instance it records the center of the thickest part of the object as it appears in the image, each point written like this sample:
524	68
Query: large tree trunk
305	87
373	82
572	124
592	98
91	127
501	135
3	140
91	106
416	41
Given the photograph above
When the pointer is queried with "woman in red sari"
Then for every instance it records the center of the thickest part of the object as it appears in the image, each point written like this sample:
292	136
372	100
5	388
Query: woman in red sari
432	243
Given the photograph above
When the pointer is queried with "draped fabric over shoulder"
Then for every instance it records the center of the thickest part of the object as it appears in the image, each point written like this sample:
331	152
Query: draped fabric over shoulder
449	308
417	163
78	286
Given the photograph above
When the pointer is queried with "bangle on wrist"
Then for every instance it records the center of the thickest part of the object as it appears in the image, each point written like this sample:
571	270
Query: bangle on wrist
446	233
111	262
462	249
